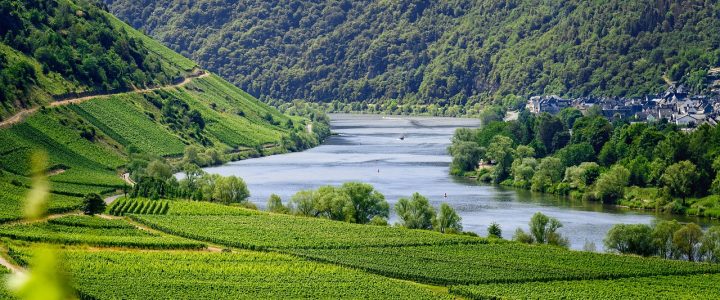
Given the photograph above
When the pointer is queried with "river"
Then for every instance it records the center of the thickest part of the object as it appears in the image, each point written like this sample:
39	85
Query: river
368	148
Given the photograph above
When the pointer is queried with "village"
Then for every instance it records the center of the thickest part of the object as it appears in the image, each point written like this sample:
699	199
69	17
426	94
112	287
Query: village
676	105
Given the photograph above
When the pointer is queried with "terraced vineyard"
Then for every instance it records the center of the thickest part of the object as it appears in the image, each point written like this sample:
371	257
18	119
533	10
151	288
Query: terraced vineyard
657	287
87	231
271	231
240	275
12	199
499	263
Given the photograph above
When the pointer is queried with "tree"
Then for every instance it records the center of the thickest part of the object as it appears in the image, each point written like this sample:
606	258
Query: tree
548	172
522	237
230	189
592	130
500	152
494	230
332	203
93	204
710	248
687	239
610	186
415	213
302	203
662	238
679	178
159	169
569	115
550	133
575	154
465	156
447	220
366	201
544	230
274	204
630	239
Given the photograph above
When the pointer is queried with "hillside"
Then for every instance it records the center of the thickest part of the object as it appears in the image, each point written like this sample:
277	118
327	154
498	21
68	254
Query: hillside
443	52
100	99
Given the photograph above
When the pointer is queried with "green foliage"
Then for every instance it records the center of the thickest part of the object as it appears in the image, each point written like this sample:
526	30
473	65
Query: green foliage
611	184
77	41
630	239
415	212
494	230
90	222
680	178
544	230
353	202
79	232
503	262
93	204
438	53
275	205
662	287
447	220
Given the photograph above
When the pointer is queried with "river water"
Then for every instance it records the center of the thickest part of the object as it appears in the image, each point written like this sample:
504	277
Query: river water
367	148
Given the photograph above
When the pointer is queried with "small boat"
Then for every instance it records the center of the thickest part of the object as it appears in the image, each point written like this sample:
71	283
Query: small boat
402	138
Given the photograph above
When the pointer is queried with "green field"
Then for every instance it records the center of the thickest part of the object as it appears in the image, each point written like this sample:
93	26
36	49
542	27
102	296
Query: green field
271	231
498	263
240	275
87	232
657	287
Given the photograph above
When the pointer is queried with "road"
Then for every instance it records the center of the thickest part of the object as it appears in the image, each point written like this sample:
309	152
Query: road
21	115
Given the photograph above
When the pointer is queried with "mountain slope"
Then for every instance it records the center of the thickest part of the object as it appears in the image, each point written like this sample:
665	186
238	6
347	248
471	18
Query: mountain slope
446	52
151	105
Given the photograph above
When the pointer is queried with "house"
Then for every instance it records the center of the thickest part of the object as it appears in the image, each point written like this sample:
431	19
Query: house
689	120
547	104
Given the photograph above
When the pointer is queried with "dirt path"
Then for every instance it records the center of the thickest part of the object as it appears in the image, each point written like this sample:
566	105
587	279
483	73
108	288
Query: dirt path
10	266
21	115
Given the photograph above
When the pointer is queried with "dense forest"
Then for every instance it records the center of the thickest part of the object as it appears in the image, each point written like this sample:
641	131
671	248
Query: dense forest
642	165
78	49
459	52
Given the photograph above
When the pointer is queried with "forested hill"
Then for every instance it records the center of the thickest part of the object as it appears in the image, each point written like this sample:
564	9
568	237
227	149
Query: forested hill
459	51
102	99
53	49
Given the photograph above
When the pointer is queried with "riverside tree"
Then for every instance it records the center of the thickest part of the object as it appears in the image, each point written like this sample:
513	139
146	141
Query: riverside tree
415	212
447	220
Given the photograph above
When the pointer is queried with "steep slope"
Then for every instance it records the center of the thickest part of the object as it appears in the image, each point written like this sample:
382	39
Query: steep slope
445	52
152	103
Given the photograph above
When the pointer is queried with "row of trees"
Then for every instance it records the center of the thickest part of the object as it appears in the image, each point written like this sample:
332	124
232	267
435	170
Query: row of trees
666	239
597	161
358	202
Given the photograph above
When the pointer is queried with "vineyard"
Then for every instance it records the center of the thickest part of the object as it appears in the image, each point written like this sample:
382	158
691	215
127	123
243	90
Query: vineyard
498	263
122	119
659	287
85	231
239	275
125	206
271	231
13	198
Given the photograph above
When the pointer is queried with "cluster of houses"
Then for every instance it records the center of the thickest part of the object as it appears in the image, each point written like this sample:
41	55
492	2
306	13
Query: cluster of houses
674	105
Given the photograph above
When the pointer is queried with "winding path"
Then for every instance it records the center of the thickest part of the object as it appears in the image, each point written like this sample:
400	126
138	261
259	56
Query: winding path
21	115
